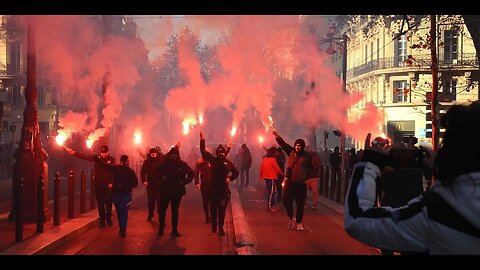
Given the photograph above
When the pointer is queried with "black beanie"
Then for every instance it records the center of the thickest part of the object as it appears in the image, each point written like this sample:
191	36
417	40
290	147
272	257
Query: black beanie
301	142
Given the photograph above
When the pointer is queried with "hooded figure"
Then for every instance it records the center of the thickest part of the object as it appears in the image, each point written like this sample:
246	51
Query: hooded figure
175	174
151	179
223	171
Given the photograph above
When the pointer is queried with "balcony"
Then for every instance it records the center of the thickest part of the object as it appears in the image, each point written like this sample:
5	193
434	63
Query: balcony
464	61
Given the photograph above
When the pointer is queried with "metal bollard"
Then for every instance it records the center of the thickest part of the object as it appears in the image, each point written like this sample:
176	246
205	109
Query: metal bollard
340	177
40	203
19	210
83	191
92	189
56	199
71	193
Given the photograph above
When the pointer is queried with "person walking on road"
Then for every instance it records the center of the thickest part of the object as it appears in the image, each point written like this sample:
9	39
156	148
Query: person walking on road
175	174
223	171
151	179
124	180
102	180
203	175
299	162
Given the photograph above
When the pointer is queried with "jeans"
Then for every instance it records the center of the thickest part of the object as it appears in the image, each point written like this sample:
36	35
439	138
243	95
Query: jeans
122	202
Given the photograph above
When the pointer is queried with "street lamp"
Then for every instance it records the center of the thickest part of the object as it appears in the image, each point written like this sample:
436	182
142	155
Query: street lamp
30	157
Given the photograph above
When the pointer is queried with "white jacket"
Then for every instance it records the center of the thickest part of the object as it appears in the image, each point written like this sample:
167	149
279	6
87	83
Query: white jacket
445	220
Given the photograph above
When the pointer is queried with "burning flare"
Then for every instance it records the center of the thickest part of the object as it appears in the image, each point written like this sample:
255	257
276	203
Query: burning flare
61	138
89	143
186	128
234	130
137	137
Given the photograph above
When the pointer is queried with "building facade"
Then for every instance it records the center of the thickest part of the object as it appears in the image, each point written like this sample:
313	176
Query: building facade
391	65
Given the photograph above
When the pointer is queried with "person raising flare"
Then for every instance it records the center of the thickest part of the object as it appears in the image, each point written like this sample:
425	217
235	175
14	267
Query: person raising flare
174	174
299	162
103	179
444	220
223	171
203	175
124	179
150	179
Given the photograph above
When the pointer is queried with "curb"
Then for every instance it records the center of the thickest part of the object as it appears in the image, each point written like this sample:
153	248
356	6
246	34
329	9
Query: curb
245	240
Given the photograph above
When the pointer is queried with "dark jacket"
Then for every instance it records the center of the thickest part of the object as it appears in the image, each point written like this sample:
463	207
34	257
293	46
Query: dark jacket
174	175
221	169
103	177
316	164
301	166
124	178
149	172
280	158
245	158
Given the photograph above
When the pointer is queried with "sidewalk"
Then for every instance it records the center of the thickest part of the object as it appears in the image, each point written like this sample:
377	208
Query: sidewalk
53	236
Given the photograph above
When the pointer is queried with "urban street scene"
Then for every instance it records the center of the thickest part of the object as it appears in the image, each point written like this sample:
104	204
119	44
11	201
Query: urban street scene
239	135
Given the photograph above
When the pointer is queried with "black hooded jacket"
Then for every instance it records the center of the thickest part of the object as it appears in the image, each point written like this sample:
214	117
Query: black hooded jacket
221	169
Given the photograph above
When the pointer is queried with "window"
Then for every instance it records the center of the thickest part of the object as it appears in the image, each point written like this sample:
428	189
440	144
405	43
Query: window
17	94
450	48
41	96
400	50
400	91
366	54
449	90
378	49
371	51
14	63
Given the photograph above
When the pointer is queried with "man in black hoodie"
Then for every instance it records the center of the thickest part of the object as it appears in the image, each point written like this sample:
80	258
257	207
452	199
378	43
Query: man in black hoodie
299	162
174	174
223	171
124	179
151	179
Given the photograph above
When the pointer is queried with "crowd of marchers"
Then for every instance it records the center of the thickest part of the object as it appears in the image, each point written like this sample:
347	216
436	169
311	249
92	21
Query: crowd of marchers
387	204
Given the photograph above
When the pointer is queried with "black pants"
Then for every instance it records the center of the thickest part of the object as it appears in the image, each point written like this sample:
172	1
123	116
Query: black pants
244	176
206	207
297	192
103	195
151	198
279	187
218	206
163	201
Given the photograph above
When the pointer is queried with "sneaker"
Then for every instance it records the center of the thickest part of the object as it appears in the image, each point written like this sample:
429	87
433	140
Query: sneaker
122	233
109	222
291	223
102	224
149	218
214	229
221	232
299	227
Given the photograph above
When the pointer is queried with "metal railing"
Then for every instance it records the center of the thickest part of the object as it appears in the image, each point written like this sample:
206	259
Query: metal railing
464	60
